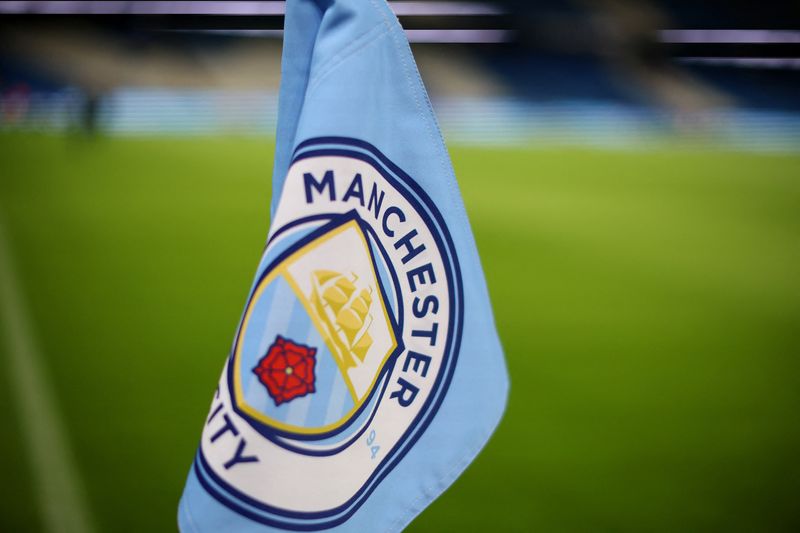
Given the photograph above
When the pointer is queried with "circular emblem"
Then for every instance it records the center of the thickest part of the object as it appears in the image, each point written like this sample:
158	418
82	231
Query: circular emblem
346	346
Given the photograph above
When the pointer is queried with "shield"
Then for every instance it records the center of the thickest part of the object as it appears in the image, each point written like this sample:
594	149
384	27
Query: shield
317	333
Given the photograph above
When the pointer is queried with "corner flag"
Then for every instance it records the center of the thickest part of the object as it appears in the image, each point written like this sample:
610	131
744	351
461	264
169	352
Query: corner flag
366	373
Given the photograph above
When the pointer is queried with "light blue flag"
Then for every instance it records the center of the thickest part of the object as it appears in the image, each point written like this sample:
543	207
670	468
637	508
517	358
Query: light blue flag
366	372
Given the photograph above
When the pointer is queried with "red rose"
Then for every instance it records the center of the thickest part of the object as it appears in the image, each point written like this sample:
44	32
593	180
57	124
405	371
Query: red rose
287	370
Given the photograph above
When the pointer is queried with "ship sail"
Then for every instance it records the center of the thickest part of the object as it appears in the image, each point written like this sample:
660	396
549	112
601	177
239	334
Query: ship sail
344	312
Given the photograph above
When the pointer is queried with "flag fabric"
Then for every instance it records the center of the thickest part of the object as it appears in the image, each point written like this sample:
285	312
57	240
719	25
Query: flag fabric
366	372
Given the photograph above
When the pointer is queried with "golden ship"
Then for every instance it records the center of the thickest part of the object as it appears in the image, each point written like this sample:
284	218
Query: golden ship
343	311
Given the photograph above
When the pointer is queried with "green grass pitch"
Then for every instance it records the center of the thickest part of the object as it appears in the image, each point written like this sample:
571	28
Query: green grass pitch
648	303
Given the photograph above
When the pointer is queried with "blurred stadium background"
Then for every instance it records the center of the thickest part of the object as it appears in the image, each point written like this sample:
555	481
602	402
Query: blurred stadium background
632	173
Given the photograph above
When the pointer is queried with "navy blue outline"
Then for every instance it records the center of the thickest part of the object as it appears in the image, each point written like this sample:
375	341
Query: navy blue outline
433	402
295	223
372	234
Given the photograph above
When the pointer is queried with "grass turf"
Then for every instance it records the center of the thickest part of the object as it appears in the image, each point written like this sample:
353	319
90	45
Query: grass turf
648	302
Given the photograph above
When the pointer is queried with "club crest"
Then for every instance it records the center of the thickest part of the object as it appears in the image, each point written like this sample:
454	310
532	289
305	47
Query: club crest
346	346
316	335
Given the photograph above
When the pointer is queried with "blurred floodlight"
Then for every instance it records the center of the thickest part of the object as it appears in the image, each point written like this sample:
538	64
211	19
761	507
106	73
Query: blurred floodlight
443	36
746	62
730	36
459	36
244	8
444	9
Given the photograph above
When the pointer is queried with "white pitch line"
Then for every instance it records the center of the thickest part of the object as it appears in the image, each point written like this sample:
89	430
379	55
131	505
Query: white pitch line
55	478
